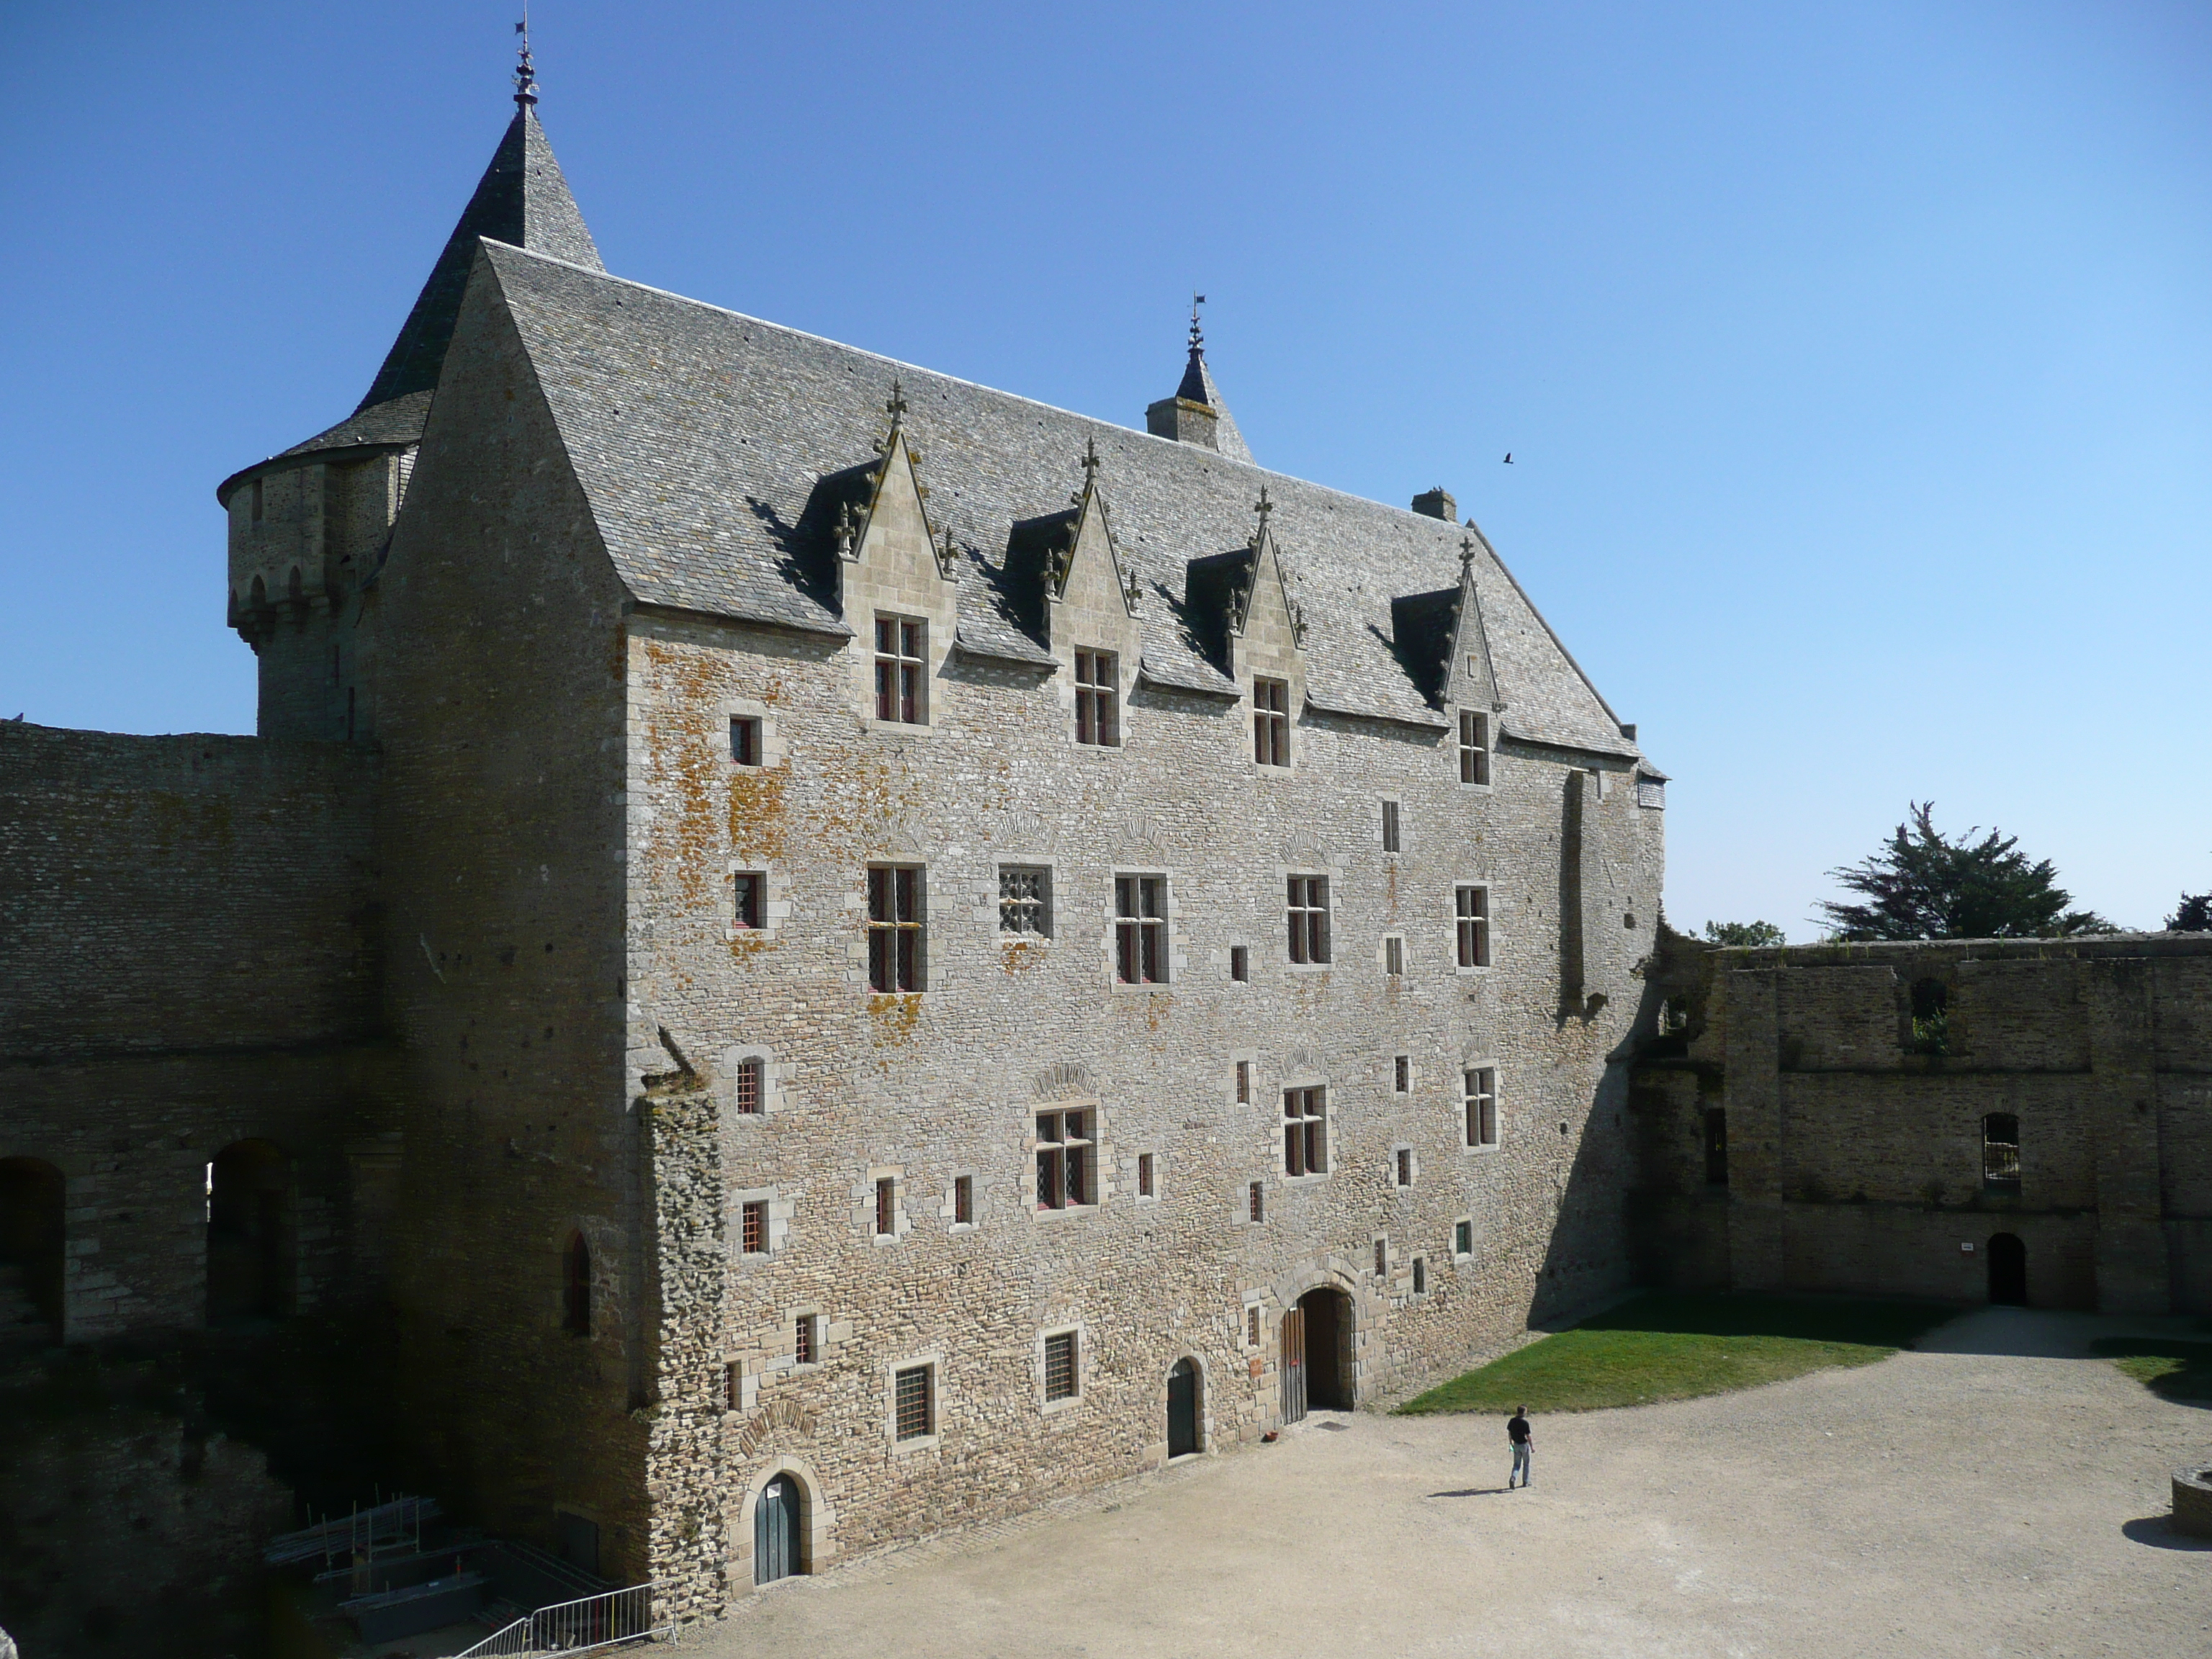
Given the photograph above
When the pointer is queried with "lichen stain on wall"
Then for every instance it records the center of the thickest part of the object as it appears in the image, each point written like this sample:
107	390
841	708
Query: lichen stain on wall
895	1016
1019	955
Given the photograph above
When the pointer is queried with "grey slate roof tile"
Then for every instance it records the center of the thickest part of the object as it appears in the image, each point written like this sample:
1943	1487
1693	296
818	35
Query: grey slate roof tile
701	438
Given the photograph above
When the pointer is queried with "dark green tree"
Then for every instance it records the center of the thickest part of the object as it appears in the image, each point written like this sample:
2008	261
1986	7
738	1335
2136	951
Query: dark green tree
1924	885
2195	915
1744	933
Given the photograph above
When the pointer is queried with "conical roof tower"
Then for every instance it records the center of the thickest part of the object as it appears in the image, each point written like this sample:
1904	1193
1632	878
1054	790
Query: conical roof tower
1198	413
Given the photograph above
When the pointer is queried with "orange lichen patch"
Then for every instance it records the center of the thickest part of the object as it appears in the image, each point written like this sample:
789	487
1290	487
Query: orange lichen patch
757	811
749	942
1019	955
683	749
895	1016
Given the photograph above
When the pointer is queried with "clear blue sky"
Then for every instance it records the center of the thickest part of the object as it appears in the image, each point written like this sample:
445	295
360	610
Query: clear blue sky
1856	359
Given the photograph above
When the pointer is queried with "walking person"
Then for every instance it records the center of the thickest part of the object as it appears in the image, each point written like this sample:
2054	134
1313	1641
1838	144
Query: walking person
1523	1435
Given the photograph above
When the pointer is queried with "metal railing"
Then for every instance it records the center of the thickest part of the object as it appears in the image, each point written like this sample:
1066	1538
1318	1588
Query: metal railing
579	1626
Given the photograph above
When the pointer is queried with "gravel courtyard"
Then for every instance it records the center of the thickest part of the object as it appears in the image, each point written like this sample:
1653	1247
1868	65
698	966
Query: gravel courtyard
1992	1494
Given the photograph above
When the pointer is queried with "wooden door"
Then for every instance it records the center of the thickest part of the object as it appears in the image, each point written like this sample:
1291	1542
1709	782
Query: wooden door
1182	1409
775	1531
1293	1365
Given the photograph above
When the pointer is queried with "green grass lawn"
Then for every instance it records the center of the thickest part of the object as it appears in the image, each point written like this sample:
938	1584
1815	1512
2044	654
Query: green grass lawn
2173	1370
1668	1345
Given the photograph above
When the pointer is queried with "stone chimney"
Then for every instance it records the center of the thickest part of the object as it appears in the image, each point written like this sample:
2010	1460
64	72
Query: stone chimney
1436	503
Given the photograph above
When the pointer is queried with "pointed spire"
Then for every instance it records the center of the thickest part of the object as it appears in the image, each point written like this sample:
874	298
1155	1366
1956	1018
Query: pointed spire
1197	413
521	199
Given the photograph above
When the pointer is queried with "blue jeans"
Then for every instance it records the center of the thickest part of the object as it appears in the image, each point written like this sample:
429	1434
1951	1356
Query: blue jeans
1523	1451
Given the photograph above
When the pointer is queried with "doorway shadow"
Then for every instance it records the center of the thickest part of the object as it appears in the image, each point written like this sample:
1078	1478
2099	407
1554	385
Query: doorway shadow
2157	1531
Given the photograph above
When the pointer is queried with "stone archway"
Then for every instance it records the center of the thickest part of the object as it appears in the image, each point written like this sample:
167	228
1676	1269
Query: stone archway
1186	1408
784	1498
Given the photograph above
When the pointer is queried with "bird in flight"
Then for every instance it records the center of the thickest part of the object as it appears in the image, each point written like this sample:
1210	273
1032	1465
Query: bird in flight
1509	458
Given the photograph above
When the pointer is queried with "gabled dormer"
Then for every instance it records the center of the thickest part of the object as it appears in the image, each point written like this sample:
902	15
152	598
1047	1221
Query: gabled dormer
1439	637
1084	602
897	582
1241	607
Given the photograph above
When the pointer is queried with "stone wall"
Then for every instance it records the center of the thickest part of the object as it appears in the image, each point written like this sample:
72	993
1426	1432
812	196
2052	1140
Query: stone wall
1856	1141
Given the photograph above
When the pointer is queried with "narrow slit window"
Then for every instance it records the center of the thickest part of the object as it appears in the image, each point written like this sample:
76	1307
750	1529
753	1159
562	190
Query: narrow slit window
1717	1146
744	739
1258	1202
1420	1275
1271	721
260	502
964	1200
1025	900
1473	747
1252	1326
886	1208
1243	1083
894	928
802	1339
1390	826
900	666
1472	908
1393	956
913	1408
1381	1258
1060	1372
1097	698
1140	929
748	1089
1481	1097
1305	1132
1405	1166
1064	1165
1240	963
734	1386
575	1286
745	904
1463	1238
1309	919
1401	1074
756	1228
1145	1176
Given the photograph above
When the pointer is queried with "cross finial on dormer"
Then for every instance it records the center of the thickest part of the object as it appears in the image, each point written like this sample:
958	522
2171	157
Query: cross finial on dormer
525	77
896	407
1090	461
1465	553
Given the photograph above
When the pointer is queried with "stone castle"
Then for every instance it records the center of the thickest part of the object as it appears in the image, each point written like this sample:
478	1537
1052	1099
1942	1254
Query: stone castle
836	952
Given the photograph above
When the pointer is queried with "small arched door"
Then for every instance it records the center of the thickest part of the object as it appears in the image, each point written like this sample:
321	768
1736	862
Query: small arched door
1182	1409
775	1531
2009	1270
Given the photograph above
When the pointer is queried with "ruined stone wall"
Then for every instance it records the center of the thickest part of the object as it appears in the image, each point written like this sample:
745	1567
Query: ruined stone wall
502	836
926	1088
1856	1153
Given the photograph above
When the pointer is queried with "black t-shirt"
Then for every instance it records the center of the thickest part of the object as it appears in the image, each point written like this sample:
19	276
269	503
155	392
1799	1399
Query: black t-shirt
1516	1429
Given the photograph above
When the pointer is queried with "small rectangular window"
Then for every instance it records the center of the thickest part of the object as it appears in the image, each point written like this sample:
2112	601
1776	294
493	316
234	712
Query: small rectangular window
1305	1132
1405	1166
1393	956
1097	698
1240	963
910	1393
756	1228
1140	929
1717	1146
1252	1326
1381	1258
1309	919
901	669
894	928
1243	1083
1390	826
1060	1366
749	1089
2000	1152
1064	1160
1145	1176
1401	1074
886	1208
260	503
1025	900
744	739
1481	1097
1472	906
802	1339
734	1386
1473	747
745	897
964	1200
1463	1238
1259	1203
1420	1275
1271	722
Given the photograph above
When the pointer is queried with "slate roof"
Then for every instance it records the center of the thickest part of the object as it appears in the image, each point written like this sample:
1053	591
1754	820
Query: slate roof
713	447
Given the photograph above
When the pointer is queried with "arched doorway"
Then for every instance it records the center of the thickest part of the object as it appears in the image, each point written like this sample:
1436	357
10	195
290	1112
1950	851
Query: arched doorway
249	1232
775	1531
1184	1436
31	1253
1317	1357
2009	1270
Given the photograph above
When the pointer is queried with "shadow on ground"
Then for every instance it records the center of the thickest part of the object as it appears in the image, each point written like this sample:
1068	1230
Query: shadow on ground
2172	1370
2157	1531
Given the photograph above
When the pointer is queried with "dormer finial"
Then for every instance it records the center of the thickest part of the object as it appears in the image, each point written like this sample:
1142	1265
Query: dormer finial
525	77
896	407
1263	506
1197	334
1090	460
1465	553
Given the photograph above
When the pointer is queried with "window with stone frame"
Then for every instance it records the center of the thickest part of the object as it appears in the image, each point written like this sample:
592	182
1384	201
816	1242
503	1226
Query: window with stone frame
887	1207
964	1200
914	1407
1025	900
1480	1096
806	1339
1145	1172
1097	698
895	929
1403	1166
753	1229
1390	826
1305	1132
1401	1074
1471	910
1067	1171
1257	1201
1473	747
1252	1326
1393	956
1243	1083
746	739
901	670
748	895
1463	1238
1420	1275
2000	1152
1140	929
1308	912
1381	1258
1063	1375
1271	721
749	1088
733	1385
1240	963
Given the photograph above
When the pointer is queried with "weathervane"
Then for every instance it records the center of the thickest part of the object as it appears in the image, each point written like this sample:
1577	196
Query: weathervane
525	77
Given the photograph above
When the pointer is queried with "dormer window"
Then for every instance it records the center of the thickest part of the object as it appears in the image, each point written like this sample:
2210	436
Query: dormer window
1097	698
900	664
1271	721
